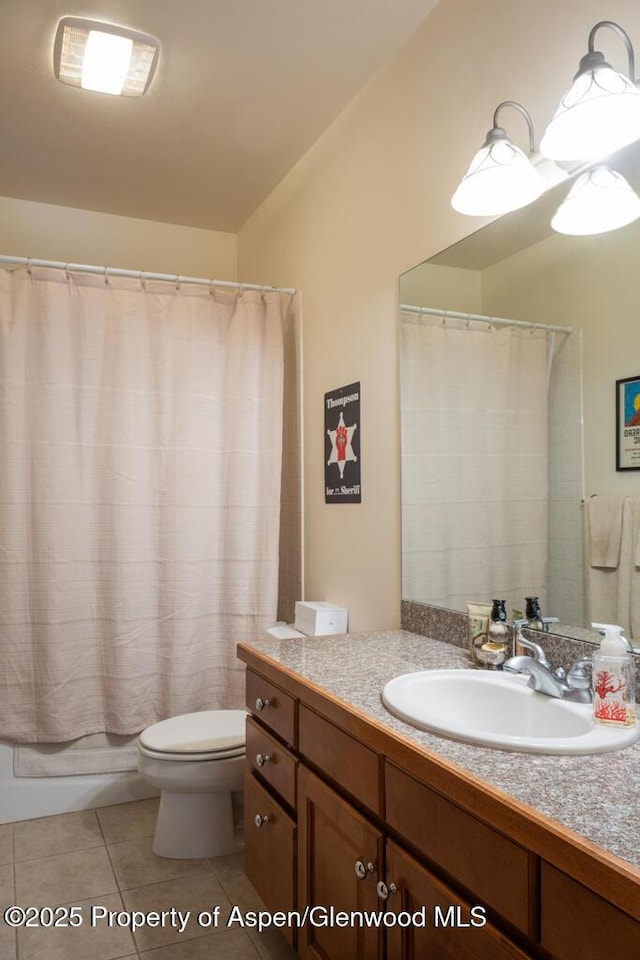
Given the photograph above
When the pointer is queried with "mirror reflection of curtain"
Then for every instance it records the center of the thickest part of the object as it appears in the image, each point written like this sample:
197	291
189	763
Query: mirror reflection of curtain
140	494
474	462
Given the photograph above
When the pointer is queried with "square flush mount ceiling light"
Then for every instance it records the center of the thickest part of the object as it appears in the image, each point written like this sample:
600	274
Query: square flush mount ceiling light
104	57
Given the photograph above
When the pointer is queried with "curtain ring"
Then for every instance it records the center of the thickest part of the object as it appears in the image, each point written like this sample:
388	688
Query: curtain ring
28	266
444	318
212	288
468	321
66	272
106	278
240	288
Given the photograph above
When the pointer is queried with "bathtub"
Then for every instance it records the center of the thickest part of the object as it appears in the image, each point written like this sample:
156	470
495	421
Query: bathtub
24	798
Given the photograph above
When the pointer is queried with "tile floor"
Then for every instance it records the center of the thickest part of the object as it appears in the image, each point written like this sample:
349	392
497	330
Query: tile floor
103	859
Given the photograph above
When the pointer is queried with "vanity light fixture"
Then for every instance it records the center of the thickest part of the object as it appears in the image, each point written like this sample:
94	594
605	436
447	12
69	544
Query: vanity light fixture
501	176
600	112
598	115
599	201
104	57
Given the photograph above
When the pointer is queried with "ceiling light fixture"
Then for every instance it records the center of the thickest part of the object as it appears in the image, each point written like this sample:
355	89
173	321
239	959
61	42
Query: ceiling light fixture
598	115
599	201
600	112
104	57
501	176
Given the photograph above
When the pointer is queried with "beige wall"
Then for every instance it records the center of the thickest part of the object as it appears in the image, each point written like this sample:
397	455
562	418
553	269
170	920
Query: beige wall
369	201
431	285
47	232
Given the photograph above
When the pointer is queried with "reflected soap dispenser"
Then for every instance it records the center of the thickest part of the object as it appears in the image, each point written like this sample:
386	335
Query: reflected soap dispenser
533	613
495	651
613	679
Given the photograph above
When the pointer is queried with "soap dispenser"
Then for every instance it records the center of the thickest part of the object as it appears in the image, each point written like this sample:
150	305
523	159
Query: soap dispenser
613	679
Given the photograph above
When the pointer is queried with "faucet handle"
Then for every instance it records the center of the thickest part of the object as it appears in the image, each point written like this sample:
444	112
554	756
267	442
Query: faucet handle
579	674
536	650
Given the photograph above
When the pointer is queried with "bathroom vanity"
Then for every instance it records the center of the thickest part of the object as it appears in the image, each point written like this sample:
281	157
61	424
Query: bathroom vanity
482	854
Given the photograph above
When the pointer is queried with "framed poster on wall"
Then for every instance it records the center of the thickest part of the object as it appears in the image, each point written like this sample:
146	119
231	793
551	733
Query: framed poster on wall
628	424
342	445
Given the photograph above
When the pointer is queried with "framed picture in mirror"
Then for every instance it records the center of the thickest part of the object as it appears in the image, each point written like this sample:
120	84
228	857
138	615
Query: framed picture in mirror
628	424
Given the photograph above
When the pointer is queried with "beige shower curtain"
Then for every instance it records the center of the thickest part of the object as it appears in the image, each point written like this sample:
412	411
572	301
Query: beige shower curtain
141	440
474	462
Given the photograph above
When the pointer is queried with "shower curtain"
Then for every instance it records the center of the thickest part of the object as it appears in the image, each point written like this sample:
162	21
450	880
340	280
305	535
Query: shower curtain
474	462
141	440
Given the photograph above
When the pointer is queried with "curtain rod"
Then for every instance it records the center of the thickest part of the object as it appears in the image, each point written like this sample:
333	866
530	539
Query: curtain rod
498	321
138	274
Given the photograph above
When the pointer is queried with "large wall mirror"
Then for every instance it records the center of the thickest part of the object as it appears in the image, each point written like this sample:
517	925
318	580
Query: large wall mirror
508	430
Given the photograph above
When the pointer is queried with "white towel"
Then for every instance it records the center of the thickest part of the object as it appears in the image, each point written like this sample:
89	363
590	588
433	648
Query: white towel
604	528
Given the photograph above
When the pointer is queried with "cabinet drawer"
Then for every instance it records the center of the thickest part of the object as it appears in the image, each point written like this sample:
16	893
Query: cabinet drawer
271	761
276	709
497	871
577	924
348	762
269	849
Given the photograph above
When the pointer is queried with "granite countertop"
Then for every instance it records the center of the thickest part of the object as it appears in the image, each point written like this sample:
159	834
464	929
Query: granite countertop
595	796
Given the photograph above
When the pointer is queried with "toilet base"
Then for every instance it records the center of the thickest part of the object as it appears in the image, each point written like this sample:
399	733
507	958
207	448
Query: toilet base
194	825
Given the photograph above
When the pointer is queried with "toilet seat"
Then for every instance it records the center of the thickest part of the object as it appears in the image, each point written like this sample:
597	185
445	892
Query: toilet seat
201	736
192	757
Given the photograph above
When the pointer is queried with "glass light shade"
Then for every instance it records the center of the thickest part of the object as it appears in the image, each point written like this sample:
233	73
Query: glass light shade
499	179
103	57
600	113
599	201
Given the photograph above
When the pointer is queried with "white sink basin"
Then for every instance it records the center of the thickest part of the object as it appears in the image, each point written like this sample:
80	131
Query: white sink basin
494	709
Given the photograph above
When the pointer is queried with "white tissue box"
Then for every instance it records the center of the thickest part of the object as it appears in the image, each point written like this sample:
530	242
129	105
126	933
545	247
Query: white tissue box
320	619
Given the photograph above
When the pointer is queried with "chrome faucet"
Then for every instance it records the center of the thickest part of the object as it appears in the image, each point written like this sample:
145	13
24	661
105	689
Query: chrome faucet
574	685
537	652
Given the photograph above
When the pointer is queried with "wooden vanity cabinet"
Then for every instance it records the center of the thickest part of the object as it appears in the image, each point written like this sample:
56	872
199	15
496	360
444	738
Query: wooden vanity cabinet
350	806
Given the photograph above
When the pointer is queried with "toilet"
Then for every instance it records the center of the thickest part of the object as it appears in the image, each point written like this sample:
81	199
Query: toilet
196	761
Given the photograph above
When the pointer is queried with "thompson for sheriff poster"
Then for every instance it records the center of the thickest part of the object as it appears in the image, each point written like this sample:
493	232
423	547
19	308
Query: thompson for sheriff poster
342	445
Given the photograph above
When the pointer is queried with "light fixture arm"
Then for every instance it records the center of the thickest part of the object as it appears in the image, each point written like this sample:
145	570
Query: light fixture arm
525	113
588	61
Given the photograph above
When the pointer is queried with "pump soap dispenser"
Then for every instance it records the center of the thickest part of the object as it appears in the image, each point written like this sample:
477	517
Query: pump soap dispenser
613	679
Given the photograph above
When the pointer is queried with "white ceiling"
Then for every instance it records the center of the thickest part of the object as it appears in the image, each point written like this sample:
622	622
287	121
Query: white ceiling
243	89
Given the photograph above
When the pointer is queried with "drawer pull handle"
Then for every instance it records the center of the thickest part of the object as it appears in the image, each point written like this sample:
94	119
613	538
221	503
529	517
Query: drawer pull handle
363	869
262	758
260	821
261	704
384	891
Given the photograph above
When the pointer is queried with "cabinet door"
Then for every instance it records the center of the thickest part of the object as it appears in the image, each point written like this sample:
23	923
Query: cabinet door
433	921
339	863
269	849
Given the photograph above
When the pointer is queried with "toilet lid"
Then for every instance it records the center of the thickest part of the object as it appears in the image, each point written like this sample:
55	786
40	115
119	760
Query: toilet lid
206	732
